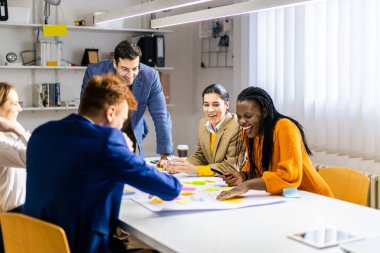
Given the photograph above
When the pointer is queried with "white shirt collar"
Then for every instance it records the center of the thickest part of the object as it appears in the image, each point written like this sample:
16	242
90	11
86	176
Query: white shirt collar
216	129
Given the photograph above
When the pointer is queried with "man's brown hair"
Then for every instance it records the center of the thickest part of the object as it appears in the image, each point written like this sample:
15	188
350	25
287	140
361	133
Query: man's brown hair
103	91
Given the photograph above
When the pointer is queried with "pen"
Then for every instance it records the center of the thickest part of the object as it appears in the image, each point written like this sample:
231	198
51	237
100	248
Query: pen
217	171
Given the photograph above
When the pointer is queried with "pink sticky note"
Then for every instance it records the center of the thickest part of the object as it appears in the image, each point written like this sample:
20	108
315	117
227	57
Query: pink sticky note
188	188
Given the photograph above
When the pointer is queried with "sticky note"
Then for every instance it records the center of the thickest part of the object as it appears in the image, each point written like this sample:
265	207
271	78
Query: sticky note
211	189
187	182
210	181
290	193
128	192
156	201
198	182
183	201
54	30
187	193
233	200
227	188
188	189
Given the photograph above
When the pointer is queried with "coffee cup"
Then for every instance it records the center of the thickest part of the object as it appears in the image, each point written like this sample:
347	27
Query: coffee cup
182	150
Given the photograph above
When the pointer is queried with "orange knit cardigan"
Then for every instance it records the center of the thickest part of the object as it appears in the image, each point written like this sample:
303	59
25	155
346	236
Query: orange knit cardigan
290	165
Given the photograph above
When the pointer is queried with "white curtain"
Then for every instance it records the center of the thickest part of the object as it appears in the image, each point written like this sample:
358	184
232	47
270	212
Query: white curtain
320	62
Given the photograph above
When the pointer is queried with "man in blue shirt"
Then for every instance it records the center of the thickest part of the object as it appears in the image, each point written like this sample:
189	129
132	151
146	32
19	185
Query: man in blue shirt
145	84
77	168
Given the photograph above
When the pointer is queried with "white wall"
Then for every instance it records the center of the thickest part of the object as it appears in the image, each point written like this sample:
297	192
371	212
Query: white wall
188	80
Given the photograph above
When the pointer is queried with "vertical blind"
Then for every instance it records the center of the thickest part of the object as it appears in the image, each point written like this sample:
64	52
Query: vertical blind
320	62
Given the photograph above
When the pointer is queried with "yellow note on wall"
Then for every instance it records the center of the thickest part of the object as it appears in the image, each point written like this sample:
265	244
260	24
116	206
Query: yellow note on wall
54	30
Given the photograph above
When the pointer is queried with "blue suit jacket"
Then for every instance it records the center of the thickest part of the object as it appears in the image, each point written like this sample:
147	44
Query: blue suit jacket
147	90
76	174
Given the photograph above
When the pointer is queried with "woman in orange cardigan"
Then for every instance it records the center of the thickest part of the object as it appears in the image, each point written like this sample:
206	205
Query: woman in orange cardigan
277	154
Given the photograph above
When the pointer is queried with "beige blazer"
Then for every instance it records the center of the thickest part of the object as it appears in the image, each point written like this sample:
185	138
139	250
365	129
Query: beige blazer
223	157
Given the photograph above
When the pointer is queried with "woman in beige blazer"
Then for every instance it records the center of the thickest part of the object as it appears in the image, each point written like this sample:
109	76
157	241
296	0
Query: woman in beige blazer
217	135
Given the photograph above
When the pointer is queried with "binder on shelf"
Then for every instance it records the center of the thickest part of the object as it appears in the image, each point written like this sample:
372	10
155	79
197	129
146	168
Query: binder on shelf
57	94
45	94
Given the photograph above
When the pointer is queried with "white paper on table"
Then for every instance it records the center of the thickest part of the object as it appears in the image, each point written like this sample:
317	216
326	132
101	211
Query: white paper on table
204	197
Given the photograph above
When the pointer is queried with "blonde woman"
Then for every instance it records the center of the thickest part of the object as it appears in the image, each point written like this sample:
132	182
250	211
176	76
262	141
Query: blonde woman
13	140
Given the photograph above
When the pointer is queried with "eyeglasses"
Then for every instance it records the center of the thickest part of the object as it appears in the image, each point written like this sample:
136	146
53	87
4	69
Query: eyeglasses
128	71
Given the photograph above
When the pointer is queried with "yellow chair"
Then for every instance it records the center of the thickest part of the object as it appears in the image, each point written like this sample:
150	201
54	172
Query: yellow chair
24	234
347	184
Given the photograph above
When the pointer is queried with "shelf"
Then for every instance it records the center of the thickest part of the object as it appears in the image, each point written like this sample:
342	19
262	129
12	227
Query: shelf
67	108
105	29
21	26
88	28
163	68
65	67
43	67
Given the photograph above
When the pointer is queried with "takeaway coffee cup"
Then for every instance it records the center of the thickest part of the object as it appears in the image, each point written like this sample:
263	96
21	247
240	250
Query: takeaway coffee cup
182	150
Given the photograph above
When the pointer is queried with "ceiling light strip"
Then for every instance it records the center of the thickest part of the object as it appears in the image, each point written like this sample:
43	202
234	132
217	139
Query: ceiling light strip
224	11
143	9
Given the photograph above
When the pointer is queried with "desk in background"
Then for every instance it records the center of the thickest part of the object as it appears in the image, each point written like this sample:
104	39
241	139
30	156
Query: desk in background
250	229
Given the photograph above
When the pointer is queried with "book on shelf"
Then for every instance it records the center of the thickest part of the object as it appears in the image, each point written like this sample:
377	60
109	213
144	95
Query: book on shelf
47	95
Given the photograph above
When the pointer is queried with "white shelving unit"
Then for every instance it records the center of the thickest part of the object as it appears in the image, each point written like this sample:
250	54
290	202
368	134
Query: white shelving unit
19	37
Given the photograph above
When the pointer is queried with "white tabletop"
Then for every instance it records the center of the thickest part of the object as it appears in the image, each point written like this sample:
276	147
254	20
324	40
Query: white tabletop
250	229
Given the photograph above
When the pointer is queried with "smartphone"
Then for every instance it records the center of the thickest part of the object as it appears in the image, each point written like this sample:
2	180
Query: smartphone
217	171
323	238
154	161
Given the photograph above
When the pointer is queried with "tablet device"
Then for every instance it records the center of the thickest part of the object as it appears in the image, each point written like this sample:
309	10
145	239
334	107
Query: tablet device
324	237
367	245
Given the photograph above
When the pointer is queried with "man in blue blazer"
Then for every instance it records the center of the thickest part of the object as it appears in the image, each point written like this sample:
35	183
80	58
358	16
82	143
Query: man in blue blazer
77	168
145	84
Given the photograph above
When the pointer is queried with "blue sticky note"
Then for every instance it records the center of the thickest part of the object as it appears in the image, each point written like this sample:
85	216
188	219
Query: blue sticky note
290	193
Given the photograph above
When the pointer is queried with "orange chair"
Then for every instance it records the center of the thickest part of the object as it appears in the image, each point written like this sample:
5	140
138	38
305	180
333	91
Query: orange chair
22	233
347	184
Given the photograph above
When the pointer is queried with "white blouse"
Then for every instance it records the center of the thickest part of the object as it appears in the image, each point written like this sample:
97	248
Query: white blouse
12	170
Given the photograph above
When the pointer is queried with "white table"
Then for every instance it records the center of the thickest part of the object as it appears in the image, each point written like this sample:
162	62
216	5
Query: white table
251	229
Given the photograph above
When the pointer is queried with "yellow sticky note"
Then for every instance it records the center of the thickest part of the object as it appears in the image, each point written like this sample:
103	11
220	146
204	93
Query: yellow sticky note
156	201
210	181
186	193
54	30
233	200
183	201
227	188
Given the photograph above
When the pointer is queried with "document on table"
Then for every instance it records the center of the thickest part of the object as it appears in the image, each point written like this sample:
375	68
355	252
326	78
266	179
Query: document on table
200	194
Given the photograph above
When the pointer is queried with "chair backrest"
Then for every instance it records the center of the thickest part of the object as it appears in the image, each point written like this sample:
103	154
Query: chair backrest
347	184
22	233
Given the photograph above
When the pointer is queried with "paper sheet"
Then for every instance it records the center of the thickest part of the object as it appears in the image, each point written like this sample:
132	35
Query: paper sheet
200	194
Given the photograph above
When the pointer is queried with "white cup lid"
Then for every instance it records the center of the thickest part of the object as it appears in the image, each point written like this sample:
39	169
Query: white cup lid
181	146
